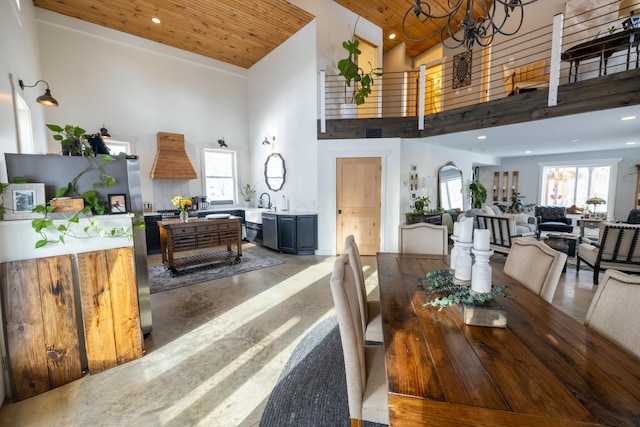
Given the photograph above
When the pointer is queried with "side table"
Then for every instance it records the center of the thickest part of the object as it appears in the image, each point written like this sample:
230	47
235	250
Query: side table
588	223
563	242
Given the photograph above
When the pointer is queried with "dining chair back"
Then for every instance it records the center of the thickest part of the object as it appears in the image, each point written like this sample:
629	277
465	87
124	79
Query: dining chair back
424	238
535	265
364	365
614	310
370	310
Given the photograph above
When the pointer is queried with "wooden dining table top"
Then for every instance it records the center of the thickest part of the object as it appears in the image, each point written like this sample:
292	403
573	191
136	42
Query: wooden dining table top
544	369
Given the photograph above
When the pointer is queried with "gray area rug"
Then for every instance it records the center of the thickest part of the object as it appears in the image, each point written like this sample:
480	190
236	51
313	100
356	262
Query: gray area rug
312	388
160	279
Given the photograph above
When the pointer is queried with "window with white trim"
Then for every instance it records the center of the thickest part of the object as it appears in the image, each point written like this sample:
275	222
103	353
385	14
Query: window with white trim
573	183
220	176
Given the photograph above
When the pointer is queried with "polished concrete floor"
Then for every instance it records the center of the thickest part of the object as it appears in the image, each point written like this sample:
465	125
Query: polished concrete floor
217	349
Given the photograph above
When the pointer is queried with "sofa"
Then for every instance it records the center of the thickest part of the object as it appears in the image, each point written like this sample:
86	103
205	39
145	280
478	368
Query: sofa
553	218
524	223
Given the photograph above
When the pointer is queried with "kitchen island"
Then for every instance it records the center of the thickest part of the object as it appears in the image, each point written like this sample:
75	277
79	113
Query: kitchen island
199	235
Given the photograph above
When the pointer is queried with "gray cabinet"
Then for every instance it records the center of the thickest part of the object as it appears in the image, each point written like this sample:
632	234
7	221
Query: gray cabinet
292	234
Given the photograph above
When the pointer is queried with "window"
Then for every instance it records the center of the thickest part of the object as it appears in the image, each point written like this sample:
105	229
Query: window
220	176
572	183
117	147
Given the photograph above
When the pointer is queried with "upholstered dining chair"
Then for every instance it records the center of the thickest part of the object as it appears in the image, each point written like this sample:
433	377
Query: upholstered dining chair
423	238
364	365
535	265
614	310
370	310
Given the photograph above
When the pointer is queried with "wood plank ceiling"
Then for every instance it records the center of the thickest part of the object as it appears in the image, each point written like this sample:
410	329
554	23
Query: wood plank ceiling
389	14
236	31
233	31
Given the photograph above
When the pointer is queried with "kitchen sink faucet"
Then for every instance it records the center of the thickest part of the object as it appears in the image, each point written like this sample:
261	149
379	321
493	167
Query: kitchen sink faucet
261	203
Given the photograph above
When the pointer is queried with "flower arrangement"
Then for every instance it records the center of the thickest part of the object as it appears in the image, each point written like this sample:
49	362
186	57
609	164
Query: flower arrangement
181	203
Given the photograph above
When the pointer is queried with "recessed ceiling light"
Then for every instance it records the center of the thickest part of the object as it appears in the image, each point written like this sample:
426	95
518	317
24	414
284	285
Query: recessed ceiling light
392	36
155	20
628	118
528	152
631	143
482	137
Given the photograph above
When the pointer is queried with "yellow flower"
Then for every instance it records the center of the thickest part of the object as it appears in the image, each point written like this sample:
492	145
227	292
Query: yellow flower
181	202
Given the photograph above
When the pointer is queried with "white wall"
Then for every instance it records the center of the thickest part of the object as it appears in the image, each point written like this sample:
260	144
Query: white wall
428	159
529	176
283	99
137	88
19	57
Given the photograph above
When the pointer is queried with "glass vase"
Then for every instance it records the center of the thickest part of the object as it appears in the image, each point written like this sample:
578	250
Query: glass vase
184	216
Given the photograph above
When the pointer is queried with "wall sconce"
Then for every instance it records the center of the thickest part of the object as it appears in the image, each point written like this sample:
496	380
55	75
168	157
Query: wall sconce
45	99
266	139
104	132
222	143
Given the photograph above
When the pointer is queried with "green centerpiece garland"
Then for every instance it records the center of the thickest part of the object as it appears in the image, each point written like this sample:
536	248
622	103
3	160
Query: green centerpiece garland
441	281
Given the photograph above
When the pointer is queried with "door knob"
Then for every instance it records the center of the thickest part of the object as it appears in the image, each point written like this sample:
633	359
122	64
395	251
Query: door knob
339	211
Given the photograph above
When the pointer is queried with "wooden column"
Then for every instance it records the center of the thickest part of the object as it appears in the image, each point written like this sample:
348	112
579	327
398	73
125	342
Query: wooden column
109	308
40	317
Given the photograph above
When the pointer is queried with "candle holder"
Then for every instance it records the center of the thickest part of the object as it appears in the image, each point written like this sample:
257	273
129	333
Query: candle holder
481	271
454	254
463	263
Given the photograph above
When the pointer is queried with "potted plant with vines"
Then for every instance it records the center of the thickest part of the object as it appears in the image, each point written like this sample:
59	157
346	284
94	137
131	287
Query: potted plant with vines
354	74
74	142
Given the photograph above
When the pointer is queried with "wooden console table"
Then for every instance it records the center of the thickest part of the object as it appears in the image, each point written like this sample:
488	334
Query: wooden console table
199	233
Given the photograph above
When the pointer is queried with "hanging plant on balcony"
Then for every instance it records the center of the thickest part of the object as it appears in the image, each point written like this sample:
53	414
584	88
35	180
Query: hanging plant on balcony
356	78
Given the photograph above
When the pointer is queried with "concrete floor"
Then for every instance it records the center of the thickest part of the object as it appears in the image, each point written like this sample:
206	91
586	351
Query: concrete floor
217	349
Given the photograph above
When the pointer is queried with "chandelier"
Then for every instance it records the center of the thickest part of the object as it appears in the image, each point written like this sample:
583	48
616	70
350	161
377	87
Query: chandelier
466	32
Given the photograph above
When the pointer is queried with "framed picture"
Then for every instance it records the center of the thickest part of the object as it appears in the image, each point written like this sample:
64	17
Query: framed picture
117	204
20	199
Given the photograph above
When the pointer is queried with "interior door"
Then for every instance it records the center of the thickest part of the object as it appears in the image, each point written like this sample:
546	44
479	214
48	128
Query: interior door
358	195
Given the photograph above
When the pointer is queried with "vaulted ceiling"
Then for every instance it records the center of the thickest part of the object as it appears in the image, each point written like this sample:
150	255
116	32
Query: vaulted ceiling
233	31
236	31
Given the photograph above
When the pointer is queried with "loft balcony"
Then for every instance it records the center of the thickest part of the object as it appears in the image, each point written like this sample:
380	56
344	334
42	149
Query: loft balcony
521	79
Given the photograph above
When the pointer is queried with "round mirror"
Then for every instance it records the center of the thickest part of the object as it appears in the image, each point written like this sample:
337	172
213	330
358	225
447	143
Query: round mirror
274	172
450	187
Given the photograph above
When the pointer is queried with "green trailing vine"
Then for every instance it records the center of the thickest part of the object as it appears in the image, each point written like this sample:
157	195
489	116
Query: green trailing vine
44	226
441	281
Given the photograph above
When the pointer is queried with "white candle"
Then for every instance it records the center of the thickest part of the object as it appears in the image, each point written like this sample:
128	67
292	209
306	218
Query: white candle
455	229
481	240
465	230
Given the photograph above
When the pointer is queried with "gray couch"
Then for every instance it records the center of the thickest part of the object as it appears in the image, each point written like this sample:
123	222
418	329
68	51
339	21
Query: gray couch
525	224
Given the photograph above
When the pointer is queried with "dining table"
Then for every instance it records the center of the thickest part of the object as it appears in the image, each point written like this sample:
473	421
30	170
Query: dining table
544	368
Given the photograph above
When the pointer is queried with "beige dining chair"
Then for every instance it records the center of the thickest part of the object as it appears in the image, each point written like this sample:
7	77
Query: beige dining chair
614	310
370	309
535	265
423	238
364	365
